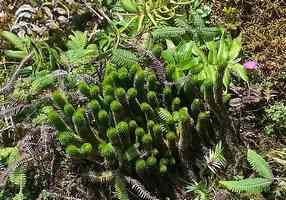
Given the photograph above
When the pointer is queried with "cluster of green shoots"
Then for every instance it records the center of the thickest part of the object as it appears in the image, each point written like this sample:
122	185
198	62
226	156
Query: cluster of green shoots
129	120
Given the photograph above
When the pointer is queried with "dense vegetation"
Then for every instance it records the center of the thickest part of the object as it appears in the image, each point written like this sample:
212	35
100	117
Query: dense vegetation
139	99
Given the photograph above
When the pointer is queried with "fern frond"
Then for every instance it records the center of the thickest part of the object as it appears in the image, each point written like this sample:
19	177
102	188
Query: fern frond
168	32
181	23
79	56
259	164
139	189
78	40
19	196
249	185
124	57
103	177
198	21
165	116
42	83
120	188
18	177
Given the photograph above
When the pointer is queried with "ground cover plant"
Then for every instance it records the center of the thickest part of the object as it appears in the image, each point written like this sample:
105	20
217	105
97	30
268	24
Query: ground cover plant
139	99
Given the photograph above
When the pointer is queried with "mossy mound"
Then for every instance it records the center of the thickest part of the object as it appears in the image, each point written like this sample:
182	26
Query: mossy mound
263	26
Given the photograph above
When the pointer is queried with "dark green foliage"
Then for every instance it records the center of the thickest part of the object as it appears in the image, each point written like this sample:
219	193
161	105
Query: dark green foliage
140	165
194	29
126	120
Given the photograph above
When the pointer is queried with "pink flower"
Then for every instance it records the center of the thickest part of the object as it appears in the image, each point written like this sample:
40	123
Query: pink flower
250	65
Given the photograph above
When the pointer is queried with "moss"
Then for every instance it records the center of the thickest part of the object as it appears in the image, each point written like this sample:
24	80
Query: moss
261	24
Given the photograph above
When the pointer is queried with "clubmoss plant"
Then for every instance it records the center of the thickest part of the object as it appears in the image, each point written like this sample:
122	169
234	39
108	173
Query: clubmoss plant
126	120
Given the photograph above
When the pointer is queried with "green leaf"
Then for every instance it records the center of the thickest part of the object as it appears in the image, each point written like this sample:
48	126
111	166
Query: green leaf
239	71
249	185
222	54
129	5
168	56
170	45
198	52
211	73
226	77
212	56
259	164
184	52
14	39
235	48
168	32
16	54
77	41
